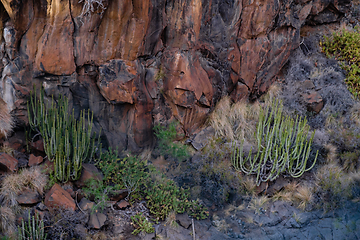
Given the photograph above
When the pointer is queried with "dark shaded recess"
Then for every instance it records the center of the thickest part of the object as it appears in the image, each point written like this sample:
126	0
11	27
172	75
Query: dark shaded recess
227	10
164	36
328	15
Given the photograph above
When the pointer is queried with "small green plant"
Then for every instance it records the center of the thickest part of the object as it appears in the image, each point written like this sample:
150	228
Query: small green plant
282	146
196	210
33	229
166	136
67	141
99	191
141	224
345	47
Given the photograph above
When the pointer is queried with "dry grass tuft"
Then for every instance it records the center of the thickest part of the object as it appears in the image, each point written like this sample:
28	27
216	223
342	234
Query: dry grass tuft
304	196
331	156
249	184
171	220
7	150
7	220
258	203
6	120
355	113
234	121
12	184
283	196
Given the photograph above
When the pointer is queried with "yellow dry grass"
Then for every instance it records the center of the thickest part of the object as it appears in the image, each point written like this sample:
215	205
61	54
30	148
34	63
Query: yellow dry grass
234	121
7	220
6	120
303	196
12	184
249	184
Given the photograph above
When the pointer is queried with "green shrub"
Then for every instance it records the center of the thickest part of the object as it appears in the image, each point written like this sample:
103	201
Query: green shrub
67	141
282	146
345	47
165	137
33	229
99	191
145	182
141	224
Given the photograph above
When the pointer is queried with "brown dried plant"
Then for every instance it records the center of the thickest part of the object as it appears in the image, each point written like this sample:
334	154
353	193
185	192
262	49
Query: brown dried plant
6	120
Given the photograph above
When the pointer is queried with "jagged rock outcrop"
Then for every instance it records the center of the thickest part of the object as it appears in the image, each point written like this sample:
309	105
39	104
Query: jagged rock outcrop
136	62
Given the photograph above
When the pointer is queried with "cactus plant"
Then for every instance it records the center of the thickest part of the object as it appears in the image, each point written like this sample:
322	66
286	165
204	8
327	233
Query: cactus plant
282	146
67	141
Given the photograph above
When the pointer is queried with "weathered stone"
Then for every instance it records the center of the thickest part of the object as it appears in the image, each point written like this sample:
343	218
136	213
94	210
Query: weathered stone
118	195
86	204
35	160
38	145
122	205
184	220
97	220
28	197
202	138
313	101
58	197
8	162
89	171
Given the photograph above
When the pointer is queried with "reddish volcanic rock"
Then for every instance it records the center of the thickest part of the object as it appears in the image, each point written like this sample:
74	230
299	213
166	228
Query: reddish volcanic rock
10	163
139	62
58	197
35	160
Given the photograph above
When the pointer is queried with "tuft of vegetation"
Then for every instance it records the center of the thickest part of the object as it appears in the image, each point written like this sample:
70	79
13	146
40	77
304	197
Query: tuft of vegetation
7	221
166	144
33	229
99	191
6	120
90	6
141	224
67	141
282	146
345	47
13	184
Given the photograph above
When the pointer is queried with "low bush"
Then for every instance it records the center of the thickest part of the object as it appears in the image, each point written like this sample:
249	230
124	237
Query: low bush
141	224
145	182
166	137
345	47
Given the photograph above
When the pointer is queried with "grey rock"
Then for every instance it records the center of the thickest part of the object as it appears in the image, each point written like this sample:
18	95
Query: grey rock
184	220
97	220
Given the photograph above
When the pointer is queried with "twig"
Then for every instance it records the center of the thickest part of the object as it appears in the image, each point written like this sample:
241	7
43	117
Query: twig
78	204
193	228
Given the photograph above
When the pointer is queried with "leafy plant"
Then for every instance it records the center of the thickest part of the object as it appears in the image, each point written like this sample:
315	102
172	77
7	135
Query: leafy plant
99	191
345	46
33	229
141	224
166	136
145	182
282	146
67	141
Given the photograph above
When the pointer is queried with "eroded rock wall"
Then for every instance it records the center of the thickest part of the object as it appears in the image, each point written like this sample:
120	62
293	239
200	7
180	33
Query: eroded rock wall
139	62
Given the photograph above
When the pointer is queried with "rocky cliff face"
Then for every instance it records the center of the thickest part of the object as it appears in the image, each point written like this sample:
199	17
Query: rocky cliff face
139	62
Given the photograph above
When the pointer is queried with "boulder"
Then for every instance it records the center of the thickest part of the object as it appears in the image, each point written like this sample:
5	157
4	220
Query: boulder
88	172
33	161
28	196
58	197
8	162
97	220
